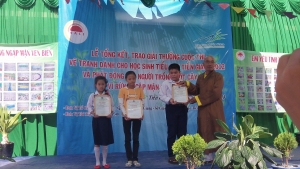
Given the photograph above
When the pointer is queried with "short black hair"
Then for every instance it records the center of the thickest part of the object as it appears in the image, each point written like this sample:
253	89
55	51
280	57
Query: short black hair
129	73
174	66
101	78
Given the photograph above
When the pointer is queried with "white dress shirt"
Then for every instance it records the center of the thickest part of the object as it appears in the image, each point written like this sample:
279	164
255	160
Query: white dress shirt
165	91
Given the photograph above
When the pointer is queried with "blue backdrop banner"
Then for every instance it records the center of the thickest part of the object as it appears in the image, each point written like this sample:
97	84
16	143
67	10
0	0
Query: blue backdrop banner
101	38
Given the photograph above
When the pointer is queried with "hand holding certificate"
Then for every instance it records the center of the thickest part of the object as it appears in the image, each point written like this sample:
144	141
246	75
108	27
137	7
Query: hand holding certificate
102	105
179	94
134	109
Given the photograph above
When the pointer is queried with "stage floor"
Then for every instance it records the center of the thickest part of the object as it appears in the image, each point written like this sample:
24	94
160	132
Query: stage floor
149	160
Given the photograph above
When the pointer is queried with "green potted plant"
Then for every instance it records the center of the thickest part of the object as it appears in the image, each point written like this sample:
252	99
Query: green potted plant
8	123
285	142
5	158
242	150
189	149
291	127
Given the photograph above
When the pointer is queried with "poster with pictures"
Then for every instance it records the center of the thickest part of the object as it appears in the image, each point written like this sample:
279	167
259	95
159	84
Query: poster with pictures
29	78
255	77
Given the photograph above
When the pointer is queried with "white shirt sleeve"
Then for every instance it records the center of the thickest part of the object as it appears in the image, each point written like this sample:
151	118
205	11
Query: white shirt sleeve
163	92
121	101
90	103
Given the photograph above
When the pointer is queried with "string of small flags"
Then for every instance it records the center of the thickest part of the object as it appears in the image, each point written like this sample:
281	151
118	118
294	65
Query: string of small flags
268	13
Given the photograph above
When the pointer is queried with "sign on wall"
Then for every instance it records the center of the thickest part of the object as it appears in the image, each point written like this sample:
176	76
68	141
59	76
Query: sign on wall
29	78
255	78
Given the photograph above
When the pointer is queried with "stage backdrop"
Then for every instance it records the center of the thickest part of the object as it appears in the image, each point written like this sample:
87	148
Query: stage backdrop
256	74
105	39
28	76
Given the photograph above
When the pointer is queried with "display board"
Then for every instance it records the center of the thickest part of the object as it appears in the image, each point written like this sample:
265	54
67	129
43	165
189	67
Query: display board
255	78
29	78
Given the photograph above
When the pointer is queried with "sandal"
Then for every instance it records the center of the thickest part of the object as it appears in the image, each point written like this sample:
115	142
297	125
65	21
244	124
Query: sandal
106	166
128	164
97	167
172	160
136	164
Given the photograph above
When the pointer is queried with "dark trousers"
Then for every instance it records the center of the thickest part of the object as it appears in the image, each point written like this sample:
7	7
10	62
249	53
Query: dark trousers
176	116
132	154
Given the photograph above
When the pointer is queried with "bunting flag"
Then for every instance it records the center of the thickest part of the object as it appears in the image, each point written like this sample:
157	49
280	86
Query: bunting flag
237	9
186	1
112	2
290	15
252	12
268	13
209	5
223	5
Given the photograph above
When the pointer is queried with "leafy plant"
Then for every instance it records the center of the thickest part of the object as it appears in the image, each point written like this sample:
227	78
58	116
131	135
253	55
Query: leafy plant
285	142
8	123
241	150
189	149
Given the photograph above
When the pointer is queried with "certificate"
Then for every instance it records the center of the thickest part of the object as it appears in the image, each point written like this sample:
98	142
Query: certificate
179	94
134	109
102	105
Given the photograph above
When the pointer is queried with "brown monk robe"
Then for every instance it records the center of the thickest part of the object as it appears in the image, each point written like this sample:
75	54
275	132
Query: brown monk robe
208	89
208	96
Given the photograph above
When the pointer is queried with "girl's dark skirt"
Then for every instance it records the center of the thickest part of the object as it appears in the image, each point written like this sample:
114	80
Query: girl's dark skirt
102	131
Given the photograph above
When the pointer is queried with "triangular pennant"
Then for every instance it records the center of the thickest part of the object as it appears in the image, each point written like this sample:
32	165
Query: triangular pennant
252	12
290	15
223	5
238	9
209	5
112	2
268	13
186	1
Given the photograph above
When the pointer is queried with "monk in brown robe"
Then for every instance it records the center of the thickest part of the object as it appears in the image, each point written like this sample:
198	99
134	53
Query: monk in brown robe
208	96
